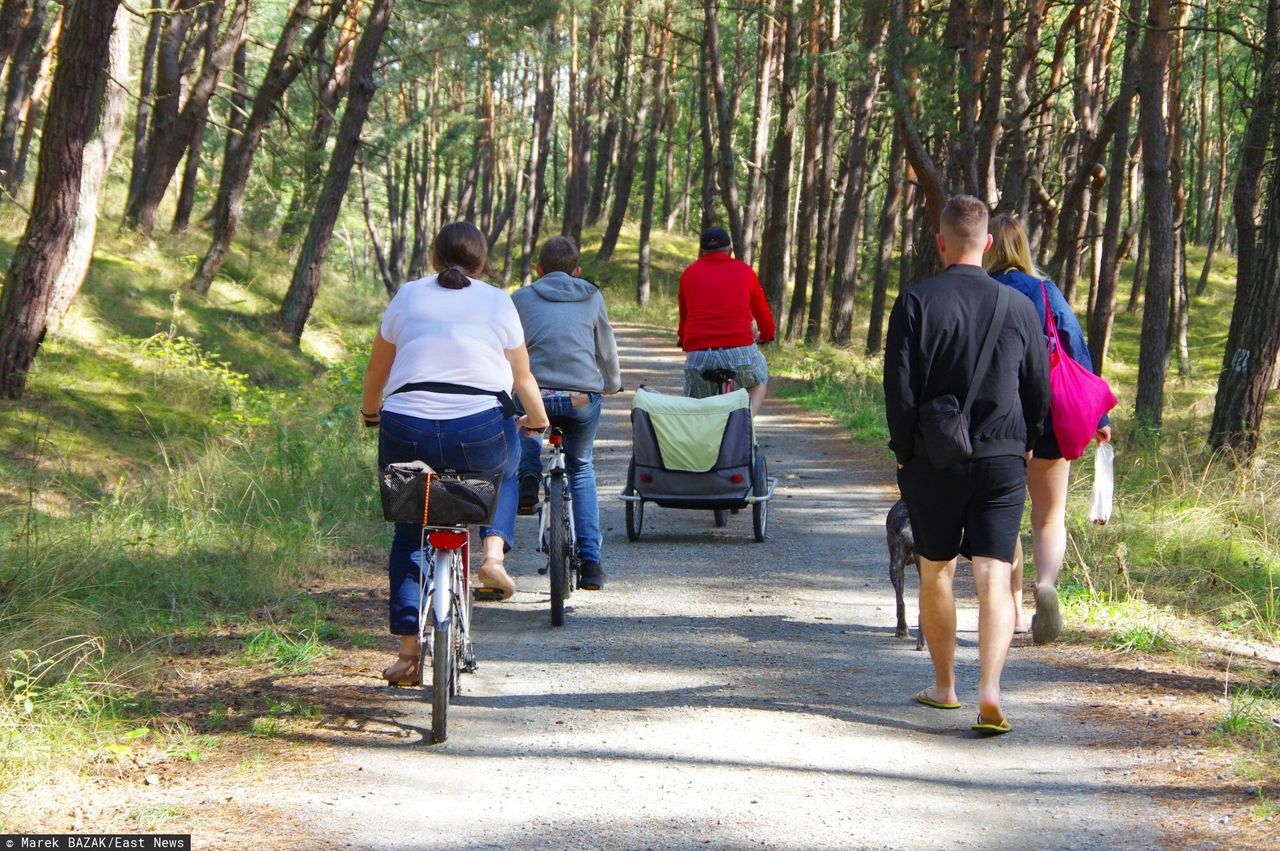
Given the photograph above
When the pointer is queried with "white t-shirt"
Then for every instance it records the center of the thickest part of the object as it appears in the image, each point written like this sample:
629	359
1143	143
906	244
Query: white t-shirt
451	336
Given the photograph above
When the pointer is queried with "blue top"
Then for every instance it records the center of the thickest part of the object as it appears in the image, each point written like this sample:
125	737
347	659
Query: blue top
1069	332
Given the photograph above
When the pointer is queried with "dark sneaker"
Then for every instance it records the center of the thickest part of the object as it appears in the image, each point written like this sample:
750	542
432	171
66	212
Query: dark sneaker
591	576
1046	623
528	494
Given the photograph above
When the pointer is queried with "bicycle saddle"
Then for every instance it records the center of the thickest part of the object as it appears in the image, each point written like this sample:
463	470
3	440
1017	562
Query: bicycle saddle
719	374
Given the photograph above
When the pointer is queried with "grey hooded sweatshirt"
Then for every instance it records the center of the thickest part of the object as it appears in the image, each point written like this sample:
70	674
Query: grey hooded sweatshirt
566	328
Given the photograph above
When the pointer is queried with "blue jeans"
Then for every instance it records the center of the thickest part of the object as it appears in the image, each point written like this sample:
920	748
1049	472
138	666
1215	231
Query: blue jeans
579	426
484	444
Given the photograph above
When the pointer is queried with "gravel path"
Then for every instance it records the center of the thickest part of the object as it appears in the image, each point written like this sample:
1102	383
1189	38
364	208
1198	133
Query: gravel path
727	694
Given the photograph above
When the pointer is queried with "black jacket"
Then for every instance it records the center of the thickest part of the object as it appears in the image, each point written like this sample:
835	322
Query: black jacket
935	333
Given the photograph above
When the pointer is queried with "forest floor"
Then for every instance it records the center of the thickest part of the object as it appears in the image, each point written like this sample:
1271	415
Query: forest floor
719	692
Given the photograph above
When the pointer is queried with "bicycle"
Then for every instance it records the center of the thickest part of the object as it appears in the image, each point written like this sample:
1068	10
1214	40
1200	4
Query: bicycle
556	536
444	617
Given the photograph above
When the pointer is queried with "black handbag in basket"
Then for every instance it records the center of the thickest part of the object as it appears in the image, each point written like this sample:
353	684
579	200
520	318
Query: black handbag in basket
412	492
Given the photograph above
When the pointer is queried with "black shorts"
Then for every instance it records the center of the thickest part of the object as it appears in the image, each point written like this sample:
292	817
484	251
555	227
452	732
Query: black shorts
1046	447
978	502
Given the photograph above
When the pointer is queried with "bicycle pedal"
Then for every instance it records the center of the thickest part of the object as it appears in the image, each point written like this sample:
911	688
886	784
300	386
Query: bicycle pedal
488	595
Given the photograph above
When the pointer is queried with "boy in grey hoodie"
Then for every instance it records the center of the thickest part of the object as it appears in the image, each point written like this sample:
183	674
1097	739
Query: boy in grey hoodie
574	358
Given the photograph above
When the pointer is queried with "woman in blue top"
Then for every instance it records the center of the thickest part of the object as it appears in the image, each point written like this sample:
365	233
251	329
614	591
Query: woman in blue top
1009	262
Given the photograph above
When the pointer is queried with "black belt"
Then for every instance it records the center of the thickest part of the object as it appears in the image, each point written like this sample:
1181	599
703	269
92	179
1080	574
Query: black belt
503	397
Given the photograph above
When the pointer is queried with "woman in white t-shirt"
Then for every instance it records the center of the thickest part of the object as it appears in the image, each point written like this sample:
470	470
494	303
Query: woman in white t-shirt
449	328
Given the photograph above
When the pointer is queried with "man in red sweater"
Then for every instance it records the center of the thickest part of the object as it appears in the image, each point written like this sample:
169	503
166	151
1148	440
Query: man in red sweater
719	297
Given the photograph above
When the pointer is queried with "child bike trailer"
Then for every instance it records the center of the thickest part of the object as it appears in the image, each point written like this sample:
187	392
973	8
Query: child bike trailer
696	453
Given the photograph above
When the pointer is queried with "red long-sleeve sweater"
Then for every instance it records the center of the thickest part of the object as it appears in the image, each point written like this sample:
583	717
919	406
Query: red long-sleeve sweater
719	296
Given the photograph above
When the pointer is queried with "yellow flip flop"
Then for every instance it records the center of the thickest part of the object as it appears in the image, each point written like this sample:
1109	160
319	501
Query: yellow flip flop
924	700
988	728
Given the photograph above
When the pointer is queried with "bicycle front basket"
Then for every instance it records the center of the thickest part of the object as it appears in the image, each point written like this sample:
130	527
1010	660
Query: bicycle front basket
455	500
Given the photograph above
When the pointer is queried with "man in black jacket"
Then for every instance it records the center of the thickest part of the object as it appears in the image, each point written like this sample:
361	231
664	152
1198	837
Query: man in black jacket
936	334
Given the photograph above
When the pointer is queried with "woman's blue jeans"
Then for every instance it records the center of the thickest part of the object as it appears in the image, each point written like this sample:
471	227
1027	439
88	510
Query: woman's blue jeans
579	426
484	444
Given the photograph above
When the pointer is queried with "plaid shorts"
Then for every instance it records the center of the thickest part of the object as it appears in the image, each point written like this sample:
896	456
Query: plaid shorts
747	362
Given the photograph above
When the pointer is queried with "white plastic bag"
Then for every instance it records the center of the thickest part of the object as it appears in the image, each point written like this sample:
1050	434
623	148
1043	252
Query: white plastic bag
1103	483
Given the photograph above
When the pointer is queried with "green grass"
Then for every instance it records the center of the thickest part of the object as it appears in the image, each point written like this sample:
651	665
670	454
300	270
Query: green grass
176	465
1250	726
1141	637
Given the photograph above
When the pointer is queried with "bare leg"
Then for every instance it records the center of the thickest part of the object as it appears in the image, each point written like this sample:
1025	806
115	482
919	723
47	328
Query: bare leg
492	572
1015	585
938	620
1047	487
757	392
995	631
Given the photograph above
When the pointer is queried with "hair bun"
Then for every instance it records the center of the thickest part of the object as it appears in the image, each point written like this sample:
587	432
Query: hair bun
454	278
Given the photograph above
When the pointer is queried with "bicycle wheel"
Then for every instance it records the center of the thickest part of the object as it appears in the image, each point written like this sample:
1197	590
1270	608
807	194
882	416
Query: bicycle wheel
635	509
442	680
557	547
721	516
760	487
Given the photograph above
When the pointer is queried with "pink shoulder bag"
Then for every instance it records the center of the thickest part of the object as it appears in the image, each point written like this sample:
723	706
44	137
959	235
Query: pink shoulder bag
1079	398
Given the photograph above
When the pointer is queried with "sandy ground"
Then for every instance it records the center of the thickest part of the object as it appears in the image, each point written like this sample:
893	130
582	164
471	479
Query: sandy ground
730	694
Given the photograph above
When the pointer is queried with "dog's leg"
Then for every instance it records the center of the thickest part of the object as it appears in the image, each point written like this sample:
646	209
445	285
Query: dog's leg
896	577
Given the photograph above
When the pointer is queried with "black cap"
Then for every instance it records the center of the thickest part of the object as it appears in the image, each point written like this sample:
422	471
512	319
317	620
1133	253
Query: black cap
714	239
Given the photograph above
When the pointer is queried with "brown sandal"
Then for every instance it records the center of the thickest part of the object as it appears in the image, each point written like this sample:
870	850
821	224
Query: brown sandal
404	672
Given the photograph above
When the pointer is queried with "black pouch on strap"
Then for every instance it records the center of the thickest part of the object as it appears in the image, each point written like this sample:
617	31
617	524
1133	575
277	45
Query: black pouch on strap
503	397
942	421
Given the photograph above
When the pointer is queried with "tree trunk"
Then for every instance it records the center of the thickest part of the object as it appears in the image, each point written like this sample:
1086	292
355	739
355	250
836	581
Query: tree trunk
649	180
1102	318
306	276
890	216
620	98
99	153
822	252
875	29
760	117
1014	195
282	69
726	108
577	193
773	272
173	126
1221	186
1152	362
1253	343
326	111
807	212
633	126
11	14
24	67
539	150
929	177
83	49
141	120
708	165
190	176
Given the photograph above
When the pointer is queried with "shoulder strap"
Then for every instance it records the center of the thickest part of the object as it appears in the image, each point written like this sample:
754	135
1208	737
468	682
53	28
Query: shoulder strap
503	397
988	346
1050	324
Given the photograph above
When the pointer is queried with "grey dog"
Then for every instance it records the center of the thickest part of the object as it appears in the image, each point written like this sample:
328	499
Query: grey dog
902	551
